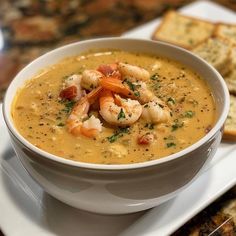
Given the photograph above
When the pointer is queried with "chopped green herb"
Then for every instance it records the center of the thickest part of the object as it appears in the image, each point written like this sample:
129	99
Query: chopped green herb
68	106
154	77
61	124
145	106
170	145
155	86
121	115
123	130
118	134
113	138
189	114
170	137
177	125
171	100
130	84
133	87
149	126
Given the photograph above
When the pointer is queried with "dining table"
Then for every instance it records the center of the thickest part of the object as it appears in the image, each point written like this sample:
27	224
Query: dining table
31	28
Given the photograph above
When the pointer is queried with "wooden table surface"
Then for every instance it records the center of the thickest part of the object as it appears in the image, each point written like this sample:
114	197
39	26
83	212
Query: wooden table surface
69	21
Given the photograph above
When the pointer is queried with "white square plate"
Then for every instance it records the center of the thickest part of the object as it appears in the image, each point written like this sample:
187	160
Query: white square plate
25	209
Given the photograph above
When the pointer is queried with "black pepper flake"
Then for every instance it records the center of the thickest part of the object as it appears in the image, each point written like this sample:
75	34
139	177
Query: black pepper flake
154	76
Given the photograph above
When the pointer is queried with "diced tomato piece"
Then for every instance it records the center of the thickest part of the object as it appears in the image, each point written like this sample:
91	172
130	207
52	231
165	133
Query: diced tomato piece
107	69
145	139
110	70
69	92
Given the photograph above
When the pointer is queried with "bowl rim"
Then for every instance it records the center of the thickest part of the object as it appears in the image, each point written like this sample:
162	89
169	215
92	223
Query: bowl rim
217	126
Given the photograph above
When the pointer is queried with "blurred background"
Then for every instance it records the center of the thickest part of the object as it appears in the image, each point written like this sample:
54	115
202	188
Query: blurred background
29	28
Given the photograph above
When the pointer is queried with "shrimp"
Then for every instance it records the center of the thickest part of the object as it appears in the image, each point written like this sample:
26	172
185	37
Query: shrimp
118	111
78	121
116	86
133	72
156	111
145	95
72	88
137	90
90	79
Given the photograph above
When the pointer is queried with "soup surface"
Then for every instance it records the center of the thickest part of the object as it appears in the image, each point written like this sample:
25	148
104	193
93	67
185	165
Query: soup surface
114	107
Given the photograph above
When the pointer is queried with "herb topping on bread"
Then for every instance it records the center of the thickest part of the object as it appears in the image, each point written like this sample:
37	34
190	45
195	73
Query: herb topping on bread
183	30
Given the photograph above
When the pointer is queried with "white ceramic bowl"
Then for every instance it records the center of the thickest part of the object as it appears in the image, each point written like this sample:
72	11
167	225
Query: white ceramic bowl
126	188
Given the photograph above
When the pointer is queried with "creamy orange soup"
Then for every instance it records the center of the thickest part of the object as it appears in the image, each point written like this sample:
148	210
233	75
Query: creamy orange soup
41	114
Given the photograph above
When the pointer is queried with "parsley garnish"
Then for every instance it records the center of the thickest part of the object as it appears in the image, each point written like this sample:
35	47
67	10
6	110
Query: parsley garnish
149	126
171	100
154	77
118	134
68	106
189	114
121	115
113	138
177	125
60	124
130	84
170	145
133	87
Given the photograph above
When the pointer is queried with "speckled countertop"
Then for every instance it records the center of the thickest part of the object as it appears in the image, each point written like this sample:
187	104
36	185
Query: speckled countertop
29	28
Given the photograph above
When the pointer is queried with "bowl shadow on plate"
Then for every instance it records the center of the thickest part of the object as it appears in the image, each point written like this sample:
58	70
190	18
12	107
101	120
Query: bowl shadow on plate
66	220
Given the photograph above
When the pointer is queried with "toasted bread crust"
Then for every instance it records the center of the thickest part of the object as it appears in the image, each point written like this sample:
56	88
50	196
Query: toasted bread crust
183	34
219	31
230	79
230	124
229	135
217	52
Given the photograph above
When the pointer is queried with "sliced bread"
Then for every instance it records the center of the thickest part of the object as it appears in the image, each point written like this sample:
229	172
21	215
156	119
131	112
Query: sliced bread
230	124
217	52
183	30
227	31
231	83
230	79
